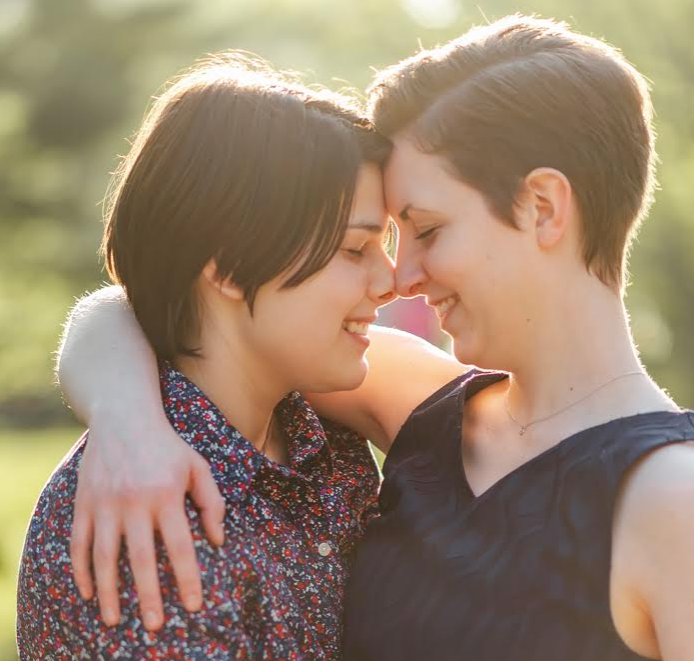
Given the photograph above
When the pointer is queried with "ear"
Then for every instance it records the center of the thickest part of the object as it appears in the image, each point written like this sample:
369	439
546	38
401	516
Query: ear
223	286
546	205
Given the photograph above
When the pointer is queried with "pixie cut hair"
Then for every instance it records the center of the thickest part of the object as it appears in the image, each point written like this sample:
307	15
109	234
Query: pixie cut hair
523	93
236	162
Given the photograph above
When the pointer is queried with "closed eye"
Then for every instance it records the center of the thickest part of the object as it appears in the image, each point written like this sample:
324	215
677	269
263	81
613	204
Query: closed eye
426	233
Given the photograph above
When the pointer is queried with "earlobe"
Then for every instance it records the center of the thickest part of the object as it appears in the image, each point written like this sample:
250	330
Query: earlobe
549	198
224	286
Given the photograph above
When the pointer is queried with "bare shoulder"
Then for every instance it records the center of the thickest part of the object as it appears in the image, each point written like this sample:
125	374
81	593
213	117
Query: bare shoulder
656	490
664	473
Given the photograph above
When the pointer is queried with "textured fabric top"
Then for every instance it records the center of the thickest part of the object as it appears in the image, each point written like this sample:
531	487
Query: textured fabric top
274	590
520	573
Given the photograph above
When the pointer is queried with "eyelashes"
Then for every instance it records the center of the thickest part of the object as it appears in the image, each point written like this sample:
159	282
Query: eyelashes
426	234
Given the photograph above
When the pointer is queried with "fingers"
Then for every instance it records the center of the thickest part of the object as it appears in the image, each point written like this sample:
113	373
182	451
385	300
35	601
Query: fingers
206	496
139	536
105	555
80	550
133	497
175	531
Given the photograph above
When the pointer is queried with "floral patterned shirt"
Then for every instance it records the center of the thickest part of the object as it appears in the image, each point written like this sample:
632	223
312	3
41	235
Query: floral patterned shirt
274	590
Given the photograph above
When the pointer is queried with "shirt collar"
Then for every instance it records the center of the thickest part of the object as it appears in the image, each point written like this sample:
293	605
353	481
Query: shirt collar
303	429
233	459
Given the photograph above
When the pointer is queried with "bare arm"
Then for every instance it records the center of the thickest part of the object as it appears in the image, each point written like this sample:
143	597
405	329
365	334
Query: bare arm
136	470
105	362
403	371
652	580
107	371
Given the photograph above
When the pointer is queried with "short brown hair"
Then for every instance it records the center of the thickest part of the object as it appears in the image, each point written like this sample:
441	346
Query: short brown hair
240	163
524	93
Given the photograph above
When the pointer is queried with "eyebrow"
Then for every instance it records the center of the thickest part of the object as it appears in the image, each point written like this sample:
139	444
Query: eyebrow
405	213
373	227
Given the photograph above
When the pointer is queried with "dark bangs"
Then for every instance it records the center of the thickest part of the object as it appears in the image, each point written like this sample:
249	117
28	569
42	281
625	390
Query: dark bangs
237	163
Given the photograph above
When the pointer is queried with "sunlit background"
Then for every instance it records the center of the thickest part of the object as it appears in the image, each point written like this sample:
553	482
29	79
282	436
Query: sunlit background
75	79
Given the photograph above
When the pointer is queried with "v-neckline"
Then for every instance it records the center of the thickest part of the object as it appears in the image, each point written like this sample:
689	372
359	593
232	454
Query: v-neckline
490	378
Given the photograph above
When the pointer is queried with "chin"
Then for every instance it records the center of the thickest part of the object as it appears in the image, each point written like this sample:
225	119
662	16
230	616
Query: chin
351	383
343	378
469	354
351	377
465	350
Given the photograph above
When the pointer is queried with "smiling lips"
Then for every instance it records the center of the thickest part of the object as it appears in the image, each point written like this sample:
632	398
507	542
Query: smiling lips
358	331
356	327
445	305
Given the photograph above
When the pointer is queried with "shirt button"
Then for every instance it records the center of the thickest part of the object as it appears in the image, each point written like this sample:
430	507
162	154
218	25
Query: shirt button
324	549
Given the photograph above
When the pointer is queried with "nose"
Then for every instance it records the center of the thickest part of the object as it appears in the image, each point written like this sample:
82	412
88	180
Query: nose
382	281
409	273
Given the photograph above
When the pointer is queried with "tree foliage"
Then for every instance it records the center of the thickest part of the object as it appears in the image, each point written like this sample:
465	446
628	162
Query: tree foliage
77	75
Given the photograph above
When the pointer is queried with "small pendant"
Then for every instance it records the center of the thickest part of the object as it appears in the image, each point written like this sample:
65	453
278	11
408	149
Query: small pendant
523	430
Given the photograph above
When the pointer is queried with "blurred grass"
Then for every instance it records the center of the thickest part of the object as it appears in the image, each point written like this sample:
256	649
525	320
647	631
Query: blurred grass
27	458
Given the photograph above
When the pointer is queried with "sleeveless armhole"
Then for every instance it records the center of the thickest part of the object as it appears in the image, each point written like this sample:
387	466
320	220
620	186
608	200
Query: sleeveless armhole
416	443
631	440
663	429
406	441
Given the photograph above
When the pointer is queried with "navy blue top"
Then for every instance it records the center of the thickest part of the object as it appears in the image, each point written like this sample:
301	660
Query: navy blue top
520	573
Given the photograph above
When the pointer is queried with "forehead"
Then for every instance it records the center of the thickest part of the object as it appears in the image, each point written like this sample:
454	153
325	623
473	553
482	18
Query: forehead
368	195
369	182
412	177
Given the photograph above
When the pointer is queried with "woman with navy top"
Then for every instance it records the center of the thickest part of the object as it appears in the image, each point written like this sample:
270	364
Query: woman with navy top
537	507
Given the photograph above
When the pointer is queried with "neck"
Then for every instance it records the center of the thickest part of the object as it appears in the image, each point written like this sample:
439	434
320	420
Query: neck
235	380
576	344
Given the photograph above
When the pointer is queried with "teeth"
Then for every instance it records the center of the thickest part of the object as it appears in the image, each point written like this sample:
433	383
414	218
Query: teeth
445	305
356	327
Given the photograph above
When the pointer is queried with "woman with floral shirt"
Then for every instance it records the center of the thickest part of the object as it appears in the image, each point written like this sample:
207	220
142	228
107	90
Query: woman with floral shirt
247	228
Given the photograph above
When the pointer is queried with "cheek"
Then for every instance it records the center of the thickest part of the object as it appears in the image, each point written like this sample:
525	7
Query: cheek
296	333
328	300
444	261
347	284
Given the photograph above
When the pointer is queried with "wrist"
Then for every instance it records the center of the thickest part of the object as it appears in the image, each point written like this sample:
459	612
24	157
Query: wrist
126	412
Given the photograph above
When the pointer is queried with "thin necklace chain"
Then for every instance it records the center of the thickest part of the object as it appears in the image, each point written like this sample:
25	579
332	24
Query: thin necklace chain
524	427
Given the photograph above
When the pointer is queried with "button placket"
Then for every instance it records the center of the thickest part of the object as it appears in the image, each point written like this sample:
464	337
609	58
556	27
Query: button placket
318	530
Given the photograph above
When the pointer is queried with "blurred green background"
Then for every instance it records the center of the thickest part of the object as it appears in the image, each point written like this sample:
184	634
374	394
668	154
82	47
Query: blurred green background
75	79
